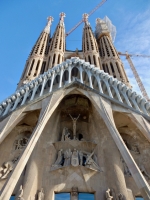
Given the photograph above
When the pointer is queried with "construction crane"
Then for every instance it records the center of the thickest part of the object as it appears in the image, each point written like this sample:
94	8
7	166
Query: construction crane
139	82
90	13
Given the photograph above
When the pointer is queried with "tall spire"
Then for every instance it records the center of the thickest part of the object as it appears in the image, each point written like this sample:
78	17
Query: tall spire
89	44
85	18
36	62
49	23
111	62
57	46
62	16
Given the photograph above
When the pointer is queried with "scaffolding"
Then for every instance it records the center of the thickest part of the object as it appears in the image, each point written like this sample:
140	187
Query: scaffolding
111	28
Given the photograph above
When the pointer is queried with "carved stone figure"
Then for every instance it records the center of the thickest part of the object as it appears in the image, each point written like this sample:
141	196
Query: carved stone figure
80	158
74	120
121	197
41	194
7	168
67	156
108	195
90	163
144	172
19	194
59	160
126	169
74	193
65	135
75	158
135	149
21	143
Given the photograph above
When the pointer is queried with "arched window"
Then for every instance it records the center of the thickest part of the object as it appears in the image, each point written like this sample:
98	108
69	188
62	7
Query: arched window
31	67
118	69
94	59
89	59
59	58
37	67
54	59
107	68
48	62
103	65
43	67
112	68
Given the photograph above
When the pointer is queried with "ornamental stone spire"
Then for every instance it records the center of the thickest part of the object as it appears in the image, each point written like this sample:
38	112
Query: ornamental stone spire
49	23
36	62
111	62
89	44
57	46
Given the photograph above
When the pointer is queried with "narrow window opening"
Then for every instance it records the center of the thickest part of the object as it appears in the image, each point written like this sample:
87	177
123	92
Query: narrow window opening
48	62
89	59
59	59
112	68
118	69
31	67
103	65
107	68
54	59
43	67
94	59
37	67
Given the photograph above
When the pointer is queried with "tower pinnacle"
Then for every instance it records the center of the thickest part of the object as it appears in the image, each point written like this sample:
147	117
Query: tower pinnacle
62	16
49	23
85	18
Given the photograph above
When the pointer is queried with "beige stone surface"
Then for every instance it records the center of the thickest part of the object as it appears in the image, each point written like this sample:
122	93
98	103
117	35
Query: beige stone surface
110	134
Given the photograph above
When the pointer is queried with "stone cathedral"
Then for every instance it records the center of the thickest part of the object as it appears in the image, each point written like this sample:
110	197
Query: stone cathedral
74	125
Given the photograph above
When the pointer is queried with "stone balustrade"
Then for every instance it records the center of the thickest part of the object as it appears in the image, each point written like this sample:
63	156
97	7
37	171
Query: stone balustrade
65	73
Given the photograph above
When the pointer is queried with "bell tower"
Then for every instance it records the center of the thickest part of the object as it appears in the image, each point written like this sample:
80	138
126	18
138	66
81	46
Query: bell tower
57	46
36	61
89	44
111	62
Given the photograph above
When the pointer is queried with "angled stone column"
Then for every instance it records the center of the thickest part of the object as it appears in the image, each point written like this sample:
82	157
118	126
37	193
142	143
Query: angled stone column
48	106
10	122
105	112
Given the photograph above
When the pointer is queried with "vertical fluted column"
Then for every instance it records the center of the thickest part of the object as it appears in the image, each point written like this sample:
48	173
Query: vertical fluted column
57	46
89	44
37	59
111	61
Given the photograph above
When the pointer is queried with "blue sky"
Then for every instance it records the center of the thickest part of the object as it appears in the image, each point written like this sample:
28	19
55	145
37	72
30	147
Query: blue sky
22	21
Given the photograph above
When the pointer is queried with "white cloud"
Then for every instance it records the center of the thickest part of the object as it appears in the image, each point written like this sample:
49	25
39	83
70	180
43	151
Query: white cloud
134	36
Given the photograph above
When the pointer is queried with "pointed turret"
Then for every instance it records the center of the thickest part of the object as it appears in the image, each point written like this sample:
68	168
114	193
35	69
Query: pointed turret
36	62
111	62
89	44
57	46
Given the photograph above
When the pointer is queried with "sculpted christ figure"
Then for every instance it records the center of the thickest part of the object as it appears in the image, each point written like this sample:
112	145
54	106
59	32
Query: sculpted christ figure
74	120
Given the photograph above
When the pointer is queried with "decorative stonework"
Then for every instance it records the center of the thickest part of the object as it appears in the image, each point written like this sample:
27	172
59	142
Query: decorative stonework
107	85
6	168
75	158
40	194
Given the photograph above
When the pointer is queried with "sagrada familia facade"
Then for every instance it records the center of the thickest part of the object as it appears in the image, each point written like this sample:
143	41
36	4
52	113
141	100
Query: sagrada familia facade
74	125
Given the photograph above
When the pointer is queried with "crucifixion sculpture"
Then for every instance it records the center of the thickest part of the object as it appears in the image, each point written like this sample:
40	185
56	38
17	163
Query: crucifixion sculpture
74	120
